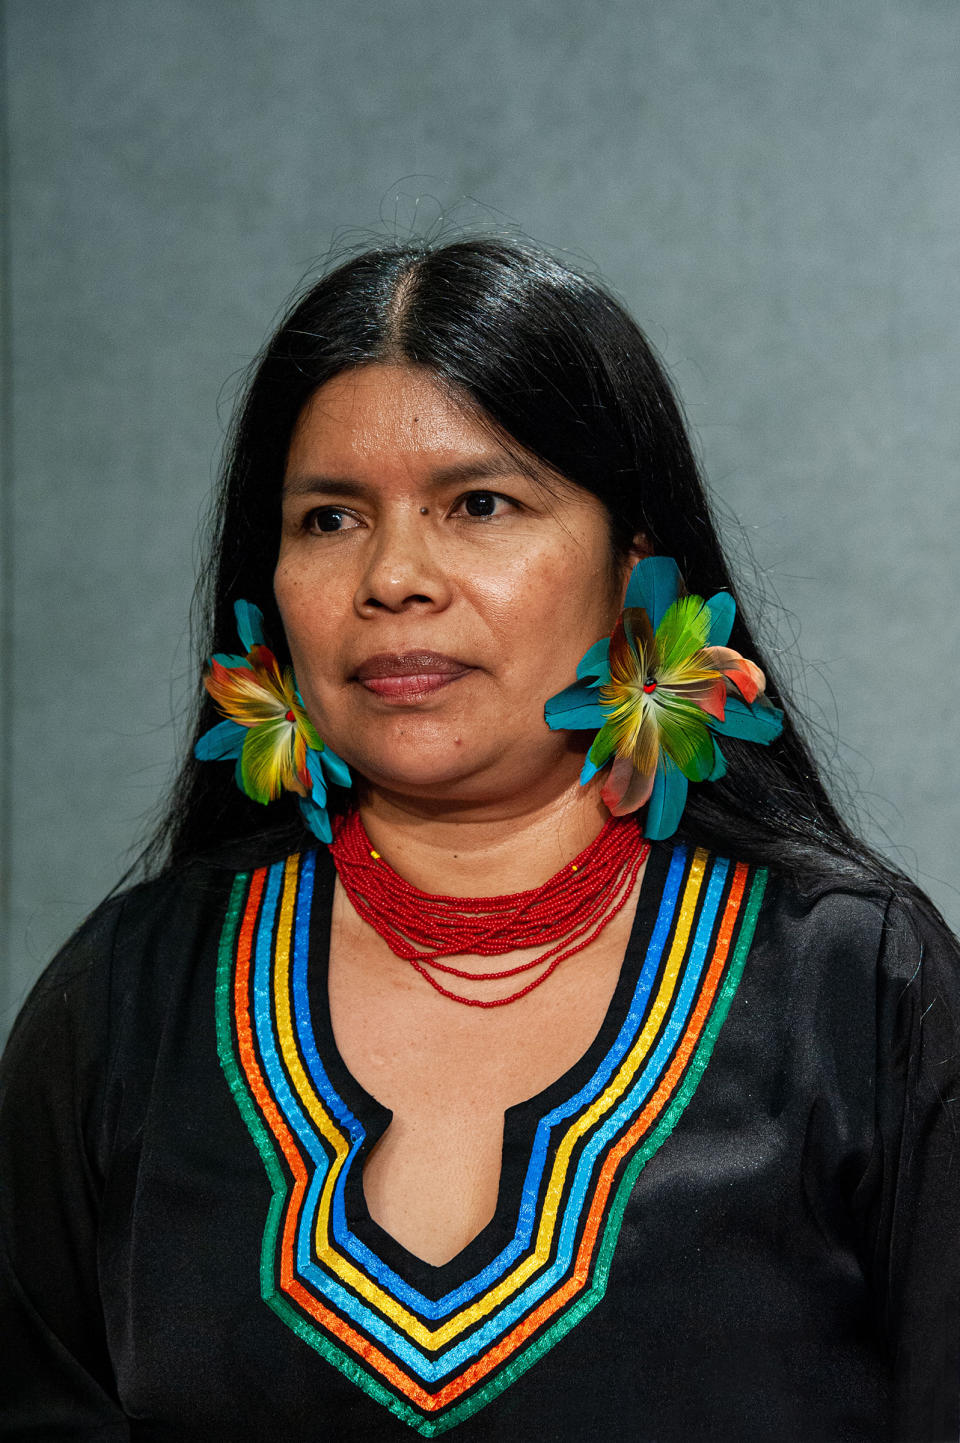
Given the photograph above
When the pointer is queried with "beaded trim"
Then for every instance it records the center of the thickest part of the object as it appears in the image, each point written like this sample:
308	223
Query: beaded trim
435	1361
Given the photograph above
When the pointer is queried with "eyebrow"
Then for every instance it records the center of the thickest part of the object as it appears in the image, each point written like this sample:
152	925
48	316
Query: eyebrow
483	468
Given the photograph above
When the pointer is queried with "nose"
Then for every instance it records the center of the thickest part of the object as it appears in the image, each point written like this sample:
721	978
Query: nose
402	570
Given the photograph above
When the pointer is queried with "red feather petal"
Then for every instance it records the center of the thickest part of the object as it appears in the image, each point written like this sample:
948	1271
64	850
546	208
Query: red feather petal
626	789
745	675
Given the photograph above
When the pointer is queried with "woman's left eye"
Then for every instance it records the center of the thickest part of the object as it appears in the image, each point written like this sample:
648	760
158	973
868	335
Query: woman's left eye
481	504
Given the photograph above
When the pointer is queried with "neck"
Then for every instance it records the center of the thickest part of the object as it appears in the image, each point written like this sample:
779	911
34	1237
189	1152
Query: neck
482	851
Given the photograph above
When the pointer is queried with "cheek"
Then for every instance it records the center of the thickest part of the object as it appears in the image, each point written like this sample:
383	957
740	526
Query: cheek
547	613
310	627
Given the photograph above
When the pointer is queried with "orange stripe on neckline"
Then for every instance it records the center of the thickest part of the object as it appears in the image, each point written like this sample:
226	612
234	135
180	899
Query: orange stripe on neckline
289	1284
254	1076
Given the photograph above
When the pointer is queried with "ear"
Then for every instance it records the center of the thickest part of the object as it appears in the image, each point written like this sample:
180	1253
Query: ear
639	549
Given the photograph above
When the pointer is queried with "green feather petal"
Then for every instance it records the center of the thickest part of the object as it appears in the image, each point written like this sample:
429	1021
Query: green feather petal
309	732
682	632
603	746
685	737
266	755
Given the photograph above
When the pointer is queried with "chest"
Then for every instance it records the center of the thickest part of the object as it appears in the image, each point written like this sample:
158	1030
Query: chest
660	1208
448	1072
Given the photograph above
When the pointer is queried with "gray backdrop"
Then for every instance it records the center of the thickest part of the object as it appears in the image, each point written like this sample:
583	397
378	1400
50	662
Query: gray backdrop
773	186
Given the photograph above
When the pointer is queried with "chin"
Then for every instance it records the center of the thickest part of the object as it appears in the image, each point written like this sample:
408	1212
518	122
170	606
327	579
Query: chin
424	773
415	748
467	772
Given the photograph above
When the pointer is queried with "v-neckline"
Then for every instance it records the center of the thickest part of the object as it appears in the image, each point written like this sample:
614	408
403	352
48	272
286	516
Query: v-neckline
520	1119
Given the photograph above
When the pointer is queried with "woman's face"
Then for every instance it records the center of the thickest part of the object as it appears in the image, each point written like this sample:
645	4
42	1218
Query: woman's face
432	593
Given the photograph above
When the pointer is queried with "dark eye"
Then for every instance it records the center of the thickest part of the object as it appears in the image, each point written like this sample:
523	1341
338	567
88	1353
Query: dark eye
329	518
482	503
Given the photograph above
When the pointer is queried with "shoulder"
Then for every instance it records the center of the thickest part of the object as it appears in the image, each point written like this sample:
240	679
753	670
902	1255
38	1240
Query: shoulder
854	983
844	927
136	941
136	977
831	906
128	918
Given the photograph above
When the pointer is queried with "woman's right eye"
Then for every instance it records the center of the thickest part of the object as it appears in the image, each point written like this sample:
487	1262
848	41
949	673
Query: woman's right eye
326	519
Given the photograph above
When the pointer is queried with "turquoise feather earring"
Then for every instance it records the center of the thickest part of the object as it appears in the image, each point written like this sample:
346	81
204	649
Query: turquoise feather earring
658	693
267	732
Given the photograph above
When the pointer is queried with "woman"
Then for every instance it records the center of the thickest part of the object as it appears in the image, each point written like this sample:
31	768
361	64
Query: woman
494	1115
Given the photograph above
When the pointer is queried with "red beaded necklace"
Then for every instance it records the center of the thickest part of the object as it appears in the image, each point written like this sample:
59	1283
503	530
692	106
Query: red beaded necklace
569	910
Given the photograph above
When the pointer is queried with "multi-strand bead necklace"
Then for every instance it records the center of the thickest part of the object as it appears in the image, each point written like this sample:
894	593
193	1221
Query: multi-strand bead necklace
569	910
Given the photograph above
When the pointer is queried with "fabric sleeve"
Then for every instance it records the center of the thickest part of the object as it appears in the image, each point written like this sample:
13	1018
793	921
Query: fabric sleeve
55	1375
910	1193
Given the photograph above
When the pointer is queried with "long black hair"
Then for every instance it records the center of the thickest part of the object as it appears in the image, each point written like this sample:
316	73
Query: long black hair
559	367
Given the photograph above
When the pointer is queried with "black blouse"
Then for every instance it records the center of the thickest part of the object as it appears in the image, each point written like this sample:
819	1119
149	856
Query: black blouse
737	1217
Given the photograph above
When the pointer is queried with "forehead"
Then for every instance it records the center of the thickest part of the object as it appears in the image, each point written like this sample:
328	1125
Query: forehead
386	414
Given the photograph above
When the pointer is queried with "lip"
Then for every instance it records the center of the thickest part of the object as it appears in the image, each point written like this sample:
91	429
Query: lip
409	675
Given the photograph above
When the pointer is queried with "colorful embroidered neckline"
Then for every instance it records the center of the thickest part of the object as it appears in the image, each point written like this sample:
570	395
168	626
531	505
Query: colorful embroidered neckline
434	1361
